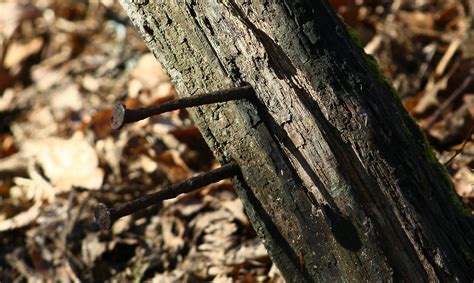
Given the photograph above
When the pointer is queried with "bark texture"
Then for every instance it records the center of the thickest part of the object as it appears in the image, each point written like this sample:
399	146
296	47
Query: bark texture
337	179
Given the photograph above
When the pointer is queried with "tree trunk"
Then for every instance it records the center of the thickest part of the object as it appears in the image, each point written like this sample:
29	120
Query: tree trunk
337	179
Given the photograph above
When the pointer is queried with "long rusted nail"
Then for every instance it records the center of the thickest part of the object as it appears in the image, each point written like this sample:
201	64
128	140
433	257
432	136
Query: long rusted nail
105	216
121	115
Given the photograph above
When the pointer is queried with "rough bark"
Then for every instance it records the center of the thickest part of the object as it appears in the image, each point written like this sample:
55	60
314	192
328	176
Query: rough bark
337	179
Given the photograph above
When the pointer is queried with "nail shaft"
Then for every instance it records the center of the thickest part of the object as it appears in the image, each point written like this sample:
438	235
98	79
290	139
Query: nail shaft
106	216
121	115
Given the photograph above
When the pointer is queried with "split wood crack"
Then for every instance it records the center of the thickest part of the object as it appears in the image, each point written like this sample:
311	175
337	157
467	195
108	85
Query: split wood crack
106	216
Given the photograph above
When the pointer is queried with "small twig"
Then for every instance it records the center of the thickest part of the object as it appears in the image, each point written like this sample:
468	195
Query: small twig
466	140
73	217
105	216
121	115
465	84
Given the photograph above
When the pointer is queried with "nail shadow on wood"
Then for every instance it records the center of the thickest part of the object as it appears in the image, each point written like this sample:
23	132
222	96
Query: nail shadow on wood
343	230
277	241
278	61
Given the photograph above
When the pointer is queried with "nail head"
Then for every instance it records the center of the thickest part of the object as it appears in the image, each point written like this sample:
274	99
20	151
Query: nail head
118	115
102	216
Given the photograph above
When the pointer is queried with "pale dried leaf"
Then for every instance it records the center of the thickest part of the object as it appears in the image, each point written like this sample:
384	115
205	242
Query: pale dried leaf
275	275
12	14
148	71
236	208
464	182
18	52
175	276
122	225
90	83
222	278
171	163
111	150
67	163
22	219
249	251
67	97
417	19
172	229
13	164
36	188
45	77
91	249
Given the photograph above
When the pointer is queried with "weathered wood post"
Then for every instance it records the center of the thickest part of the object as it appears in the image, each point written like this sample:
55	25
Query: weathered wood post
337	179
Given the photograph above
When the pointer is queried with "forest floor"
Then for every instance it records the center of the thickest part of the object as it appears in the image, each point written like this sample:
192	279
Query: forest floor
63	64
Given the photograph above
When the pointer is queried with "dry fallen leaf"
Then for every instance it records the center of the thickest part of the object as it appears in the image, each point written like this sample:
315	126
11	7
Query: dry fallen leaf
148	71
18	52
92	249
173	166
45	77
417	19
67	97
12	14
22	219
172	229
148	77
464	182
67	163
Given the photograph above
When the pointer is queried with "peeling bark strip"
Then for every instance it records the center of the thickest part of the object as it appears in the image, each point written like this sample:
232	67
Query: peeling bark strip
337	179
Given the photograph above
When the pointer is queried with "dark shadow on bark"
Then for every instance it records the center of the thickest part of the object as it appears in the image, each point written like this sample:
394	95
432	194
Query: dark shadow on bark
278	61
343	230
280	244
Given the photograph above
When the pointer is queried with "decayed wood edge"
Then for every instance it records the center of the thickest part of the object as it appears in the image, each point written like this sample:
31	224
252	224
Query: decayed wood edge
217	128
